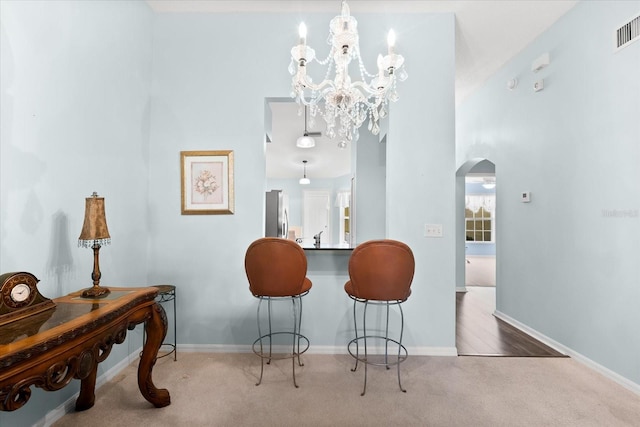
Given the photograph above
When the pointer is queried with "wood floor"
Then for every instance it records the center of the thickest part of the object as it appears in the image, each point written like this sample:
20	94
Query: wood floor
480	333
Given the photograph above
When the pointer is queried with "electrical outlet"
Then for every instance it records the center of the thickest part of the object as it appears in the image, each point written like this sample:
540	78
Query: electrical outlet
538	85
433	230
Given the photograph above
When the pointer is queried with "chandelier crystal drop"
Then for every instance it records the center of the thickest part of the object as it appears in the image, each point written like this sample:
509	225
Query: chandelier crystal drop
345	103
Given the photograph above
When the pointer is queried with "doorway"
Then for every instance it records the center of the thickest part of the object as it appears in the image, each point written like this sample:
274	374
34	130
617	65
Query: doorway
476	261
316	217
476	222
480	226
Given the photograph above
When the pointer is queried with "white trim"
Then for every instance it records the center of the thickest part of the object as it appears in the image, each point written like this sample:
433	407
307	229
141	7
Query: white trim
461	288
313	349
626	383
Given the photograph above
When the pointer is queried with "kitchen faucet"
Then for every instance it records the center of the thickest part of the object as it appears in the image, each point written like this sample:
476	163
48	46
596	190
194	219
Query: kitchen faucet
317	239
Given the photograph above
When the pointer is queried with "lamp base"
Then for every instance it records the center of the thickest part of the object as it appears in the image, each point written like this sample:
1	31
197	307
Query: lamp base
96	292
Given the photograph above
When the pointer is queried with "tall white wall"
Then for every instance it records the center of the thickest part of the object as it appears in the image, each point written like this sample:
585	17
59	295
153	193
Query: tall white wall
74	87
567	267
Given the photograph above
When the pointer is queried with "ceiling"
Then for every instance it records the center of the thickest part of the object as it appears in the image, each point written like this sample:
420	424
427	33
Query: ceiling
488	34
284	159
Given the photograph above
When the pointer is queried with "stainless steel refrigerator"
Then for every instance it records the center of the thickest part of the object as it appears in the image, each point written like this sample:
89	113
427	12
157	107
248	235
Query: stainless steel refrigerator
276	214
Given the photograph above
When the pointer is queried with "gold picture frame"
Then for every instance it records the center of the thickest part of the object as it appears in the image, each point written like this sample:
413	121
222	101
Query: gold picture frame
206	179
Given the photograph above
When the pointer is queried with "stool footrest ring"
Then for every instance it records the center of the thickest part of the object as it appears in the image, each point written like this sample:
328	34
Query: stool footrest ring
278	356
364	359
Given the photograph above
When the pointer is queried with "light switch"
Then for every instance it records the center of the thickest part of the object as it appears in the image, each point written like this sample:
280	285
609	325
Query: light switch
433	230
525	197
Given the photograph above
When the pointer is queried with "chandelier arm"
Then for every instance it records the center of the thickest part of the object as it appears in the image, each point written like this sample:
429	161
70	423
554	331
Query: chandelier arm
371	91
308	84
313	100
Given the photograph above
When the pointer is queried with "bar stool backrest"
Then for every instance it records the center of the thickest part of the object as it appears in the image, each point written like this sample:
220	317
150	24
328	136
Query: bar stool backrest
382	270
275	267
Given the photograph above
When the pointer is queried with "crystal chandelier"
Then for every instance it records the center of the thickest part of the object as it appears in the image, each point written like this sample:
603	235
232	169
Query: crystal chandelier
347	103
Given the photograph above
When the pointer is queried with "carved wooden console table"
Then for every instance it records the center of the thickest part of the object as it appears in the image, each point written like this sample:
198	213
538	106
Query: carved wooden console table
51	348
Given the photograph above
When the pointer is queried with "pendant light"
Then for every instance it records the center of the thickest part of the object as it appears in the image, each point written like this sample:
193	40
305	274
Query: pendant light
304	180
489	183
305	141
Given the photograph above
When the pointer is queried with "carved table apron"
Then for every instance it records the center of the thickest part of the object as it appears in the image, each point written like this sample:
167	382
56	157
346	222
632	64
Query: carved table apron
51	348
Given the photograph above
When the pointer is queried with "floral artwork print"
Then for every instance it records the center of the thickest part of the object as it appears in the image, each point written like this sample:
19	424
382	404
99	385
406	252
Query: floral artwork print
206	182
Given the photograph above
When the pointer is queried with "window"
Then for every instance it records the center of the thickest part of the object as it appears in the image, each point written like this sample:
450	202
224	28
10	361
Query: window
342	203
345	224
478	218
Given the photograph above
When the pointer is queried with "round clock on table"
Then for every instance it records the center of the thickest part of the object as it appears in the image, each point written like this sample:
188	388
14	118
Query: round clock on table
19	297
20	293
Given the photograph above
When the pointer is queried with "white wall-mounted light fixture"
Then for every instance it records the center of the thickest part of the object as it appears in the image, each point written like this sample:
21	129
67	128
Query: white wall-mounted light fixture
304	180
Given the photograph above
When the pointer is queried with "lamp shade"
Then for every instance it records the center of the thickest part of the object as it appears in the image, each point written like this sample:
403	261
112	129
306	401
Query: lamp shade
94	230
305	142
304	180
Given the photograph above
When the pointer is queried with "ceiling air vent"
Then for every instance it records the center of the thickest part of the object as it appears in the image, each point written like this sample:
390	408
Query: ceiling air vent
627	34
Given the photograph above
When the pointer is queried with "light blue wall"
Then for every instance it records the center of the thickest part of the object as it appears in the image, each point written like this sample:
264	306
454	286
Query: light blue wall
370	198
75	79
104	95
565	268
211	74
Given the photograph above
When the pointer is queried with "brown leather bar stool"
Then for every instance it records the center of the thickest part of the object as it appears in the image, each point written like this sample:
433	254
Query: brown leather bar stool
276	269
380	273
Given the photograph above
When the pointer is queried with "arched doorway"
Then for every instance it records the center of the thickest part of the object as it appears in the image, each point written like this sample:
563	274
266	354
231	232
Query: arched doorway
479	168
476	258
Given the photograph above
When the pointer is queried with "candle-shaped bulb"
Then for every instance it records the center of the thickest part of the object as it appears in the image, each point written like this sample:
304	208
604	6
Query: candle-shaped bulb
380	63
391	40
302	31
345	12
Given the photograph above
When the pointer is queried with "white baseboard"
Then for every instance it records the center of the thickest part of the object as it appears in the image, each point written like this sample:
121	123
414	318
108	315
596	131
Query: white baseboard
313	349
626	383
461	289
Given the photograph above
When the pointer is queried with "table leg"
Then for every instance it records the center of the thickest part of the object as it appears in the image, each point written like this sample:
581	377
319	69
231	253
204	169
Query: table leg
156	330
87	396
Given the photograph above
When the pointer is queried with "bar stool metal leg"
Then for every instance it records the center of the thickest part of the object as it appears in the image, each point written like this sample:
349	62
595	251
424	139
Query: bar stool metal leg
400	343
296	336
366	336
366	354
357	341
260	339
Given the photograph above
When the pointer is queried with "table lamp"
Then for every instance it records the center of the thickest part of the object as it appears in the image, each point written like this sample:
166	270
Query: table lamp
94	234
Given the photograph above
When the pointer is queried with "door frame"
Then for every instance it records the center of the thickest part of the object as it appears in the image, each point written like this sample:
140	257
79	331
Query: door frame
460	257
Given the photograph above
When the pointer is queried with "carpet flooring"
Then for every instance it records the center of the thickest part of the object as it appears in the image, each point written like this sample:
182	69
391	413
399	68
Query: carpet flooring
218	389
